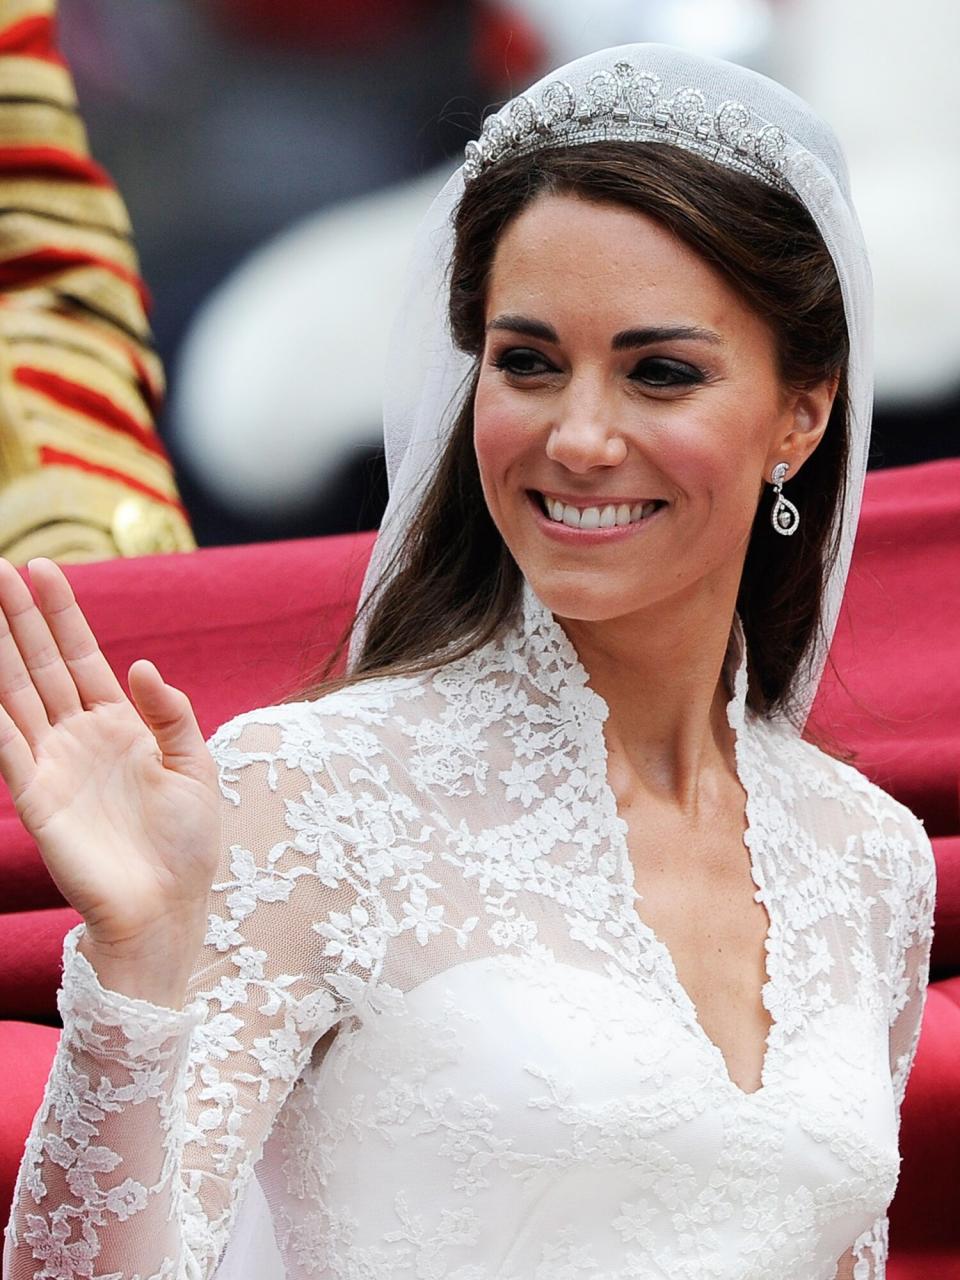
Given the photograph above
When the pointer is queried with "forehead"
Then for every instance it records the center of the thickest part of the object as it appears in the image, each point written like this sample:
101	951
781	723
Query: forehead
584	258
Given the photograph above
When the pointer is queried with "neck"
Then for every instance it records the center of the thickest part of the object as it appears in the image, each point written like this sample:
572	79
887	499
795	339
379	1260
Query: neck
660	672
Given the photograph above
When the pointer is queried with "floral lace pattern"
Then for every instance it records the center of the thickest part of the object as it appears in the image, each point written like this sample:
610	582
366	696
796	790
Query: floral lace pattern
430	1031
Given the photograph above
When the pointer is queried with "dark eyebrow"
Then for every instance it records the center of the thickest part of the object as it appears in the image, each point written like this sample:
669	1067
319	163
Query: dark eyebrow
631	338
625	341
522	324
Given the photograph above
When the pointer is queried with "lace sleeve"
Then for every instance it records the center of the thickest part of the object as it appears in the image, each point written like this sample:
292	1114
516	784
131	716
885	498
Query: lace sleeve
152	1120
911	910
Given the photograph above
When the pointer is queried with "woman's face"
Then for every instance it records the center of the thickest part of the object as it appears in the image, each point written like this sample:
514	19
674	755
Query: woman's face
628	411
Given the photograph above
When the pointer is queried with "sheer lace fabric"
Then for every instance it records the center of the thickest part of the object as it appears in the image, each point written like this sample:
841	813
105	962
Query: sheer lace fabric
429	1019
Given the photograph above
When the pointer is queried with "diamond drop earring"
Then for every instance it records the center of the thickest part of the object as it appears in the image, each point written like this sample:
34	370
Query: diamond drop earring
784	517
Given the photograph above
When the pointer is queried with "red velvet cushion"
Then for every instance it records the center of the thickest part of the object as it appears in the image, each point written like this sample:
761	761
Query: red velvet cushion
31	952
946	923
924	1213
26	1053
897	642
938	1264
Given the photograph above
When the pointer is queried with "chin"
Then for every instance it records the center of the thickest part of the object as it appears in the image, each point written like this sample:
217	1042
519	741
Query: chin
584	599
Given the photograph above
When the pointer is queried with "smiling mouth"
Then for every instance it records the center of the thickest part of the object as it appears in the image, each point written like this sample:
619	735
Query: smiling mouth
607	516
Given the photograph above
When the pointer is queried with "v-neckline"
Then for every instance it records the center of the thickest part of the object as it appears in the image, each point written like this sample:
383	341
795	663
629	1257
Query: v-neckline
617	830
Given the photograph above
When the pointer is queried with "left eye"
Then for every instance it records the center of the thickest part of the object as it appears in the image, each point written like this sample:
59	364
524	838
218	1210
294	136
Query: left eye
666	373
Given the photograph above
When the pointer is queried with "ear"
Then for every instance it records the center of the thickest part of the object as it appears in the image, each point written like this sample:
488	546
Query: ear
803	424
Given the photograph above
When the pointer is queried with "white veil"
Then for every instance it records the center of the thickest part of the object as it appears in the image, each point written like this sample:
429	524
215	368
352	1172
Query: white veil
649	92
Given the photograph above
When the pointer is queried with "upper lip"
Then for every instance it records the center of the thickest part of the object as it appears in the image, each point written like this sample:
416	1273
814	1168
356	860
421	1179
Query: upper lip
574	500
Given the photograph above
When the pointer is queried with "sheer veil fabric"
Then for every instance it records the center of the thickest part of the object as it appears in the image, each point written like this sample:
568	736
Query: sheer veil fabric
655	93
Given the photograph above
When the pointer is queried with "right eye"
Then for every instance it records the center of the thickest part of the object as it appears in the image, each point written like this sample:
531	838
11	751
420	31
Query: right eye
522	362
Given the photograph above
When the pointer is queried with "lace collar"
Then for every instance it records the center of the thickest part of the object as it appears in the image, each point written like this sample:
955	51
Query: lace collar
555	666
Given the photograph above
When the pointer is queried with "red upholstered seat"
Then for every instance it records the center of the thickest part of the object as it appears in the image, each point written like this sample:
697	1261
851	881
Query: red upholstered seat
26	1054
925	1211
31	945
240	627
893	688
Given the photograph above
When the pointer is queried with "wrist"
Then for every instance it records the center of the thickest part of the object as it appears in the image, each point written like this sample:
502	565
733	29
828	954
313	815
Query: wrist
155	967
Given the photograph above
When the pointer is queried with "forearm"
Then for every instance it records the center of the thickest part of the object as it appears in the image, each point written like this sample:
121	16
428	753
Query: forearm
105	1147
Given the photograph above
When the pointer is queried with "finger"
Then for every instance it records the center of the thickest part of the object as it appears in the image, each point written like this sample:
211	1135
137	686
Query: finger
89	671
17	762
18	693
41	655
170	717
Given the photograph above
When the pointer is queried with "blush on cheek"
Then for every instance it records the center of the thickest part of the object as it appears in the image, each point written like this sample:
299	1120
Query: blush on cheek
500	434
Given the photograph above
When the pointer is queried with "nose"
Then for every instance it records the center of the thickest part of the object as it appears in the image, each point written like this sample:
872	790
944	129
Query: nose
584	434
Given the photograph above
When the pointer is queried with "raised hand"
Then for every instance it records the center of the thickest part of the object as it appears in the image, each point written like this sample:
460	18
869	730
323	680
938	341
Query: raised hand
121	796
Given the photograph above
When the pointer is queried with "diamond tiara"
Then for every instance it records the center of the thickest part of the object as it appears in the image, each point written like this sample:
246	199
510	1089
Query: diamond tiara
629	105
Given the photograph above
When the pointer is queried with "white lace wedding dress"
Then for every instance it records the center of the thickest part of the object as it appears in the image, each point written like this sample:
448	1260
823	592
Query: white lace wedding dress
429	1018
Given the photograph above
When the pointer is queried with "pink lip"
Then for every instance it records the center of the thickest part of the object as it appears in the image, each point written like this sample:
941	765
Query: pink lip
587	537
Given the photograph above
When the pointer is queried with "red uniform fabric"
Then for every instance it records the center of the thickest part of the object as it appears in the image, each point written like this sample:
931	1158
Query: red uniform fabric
83	473
324	24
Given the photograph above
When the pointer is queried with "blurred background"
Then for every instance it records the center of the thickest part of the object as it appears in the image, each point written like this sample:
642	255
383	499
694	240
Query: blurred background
276	155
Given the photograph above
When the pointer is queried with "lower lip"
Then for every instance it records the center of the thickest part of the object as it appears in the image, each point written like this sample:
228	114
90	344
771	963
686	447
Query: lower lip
588	537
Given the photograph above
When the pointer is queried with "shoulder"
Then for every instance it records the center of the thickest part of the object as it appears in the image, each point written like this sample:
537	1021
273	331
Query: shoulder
843	802
836	784
353	723
366	702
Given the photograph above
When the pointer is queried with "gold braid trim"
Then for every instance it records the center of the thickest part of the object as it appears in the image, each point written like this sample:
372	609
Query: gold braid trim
83	475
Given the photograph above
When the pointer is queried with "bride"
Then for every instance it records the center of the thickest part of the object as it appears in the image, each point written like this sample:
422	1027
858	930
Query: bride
542	945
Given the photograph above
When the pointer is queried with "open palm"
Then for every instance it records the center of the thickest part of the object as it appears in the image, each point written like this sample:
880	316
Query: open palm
120	796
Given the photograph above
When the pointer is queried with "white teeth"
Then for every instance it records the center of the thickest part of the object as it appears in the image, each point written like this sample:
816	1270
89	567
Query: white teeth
597	517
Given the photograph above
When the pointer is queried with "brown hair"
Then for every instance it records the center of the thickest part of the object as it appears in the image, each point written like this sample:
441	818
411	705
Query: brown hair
453	582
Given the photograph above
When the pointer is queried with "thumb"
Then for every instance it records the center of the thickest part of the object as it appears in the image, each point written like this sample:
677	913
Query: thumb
169	716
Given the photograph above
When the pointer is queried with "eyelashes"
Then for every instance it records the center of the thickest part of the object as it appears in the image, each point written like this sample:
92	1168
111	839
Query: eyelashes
656	372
